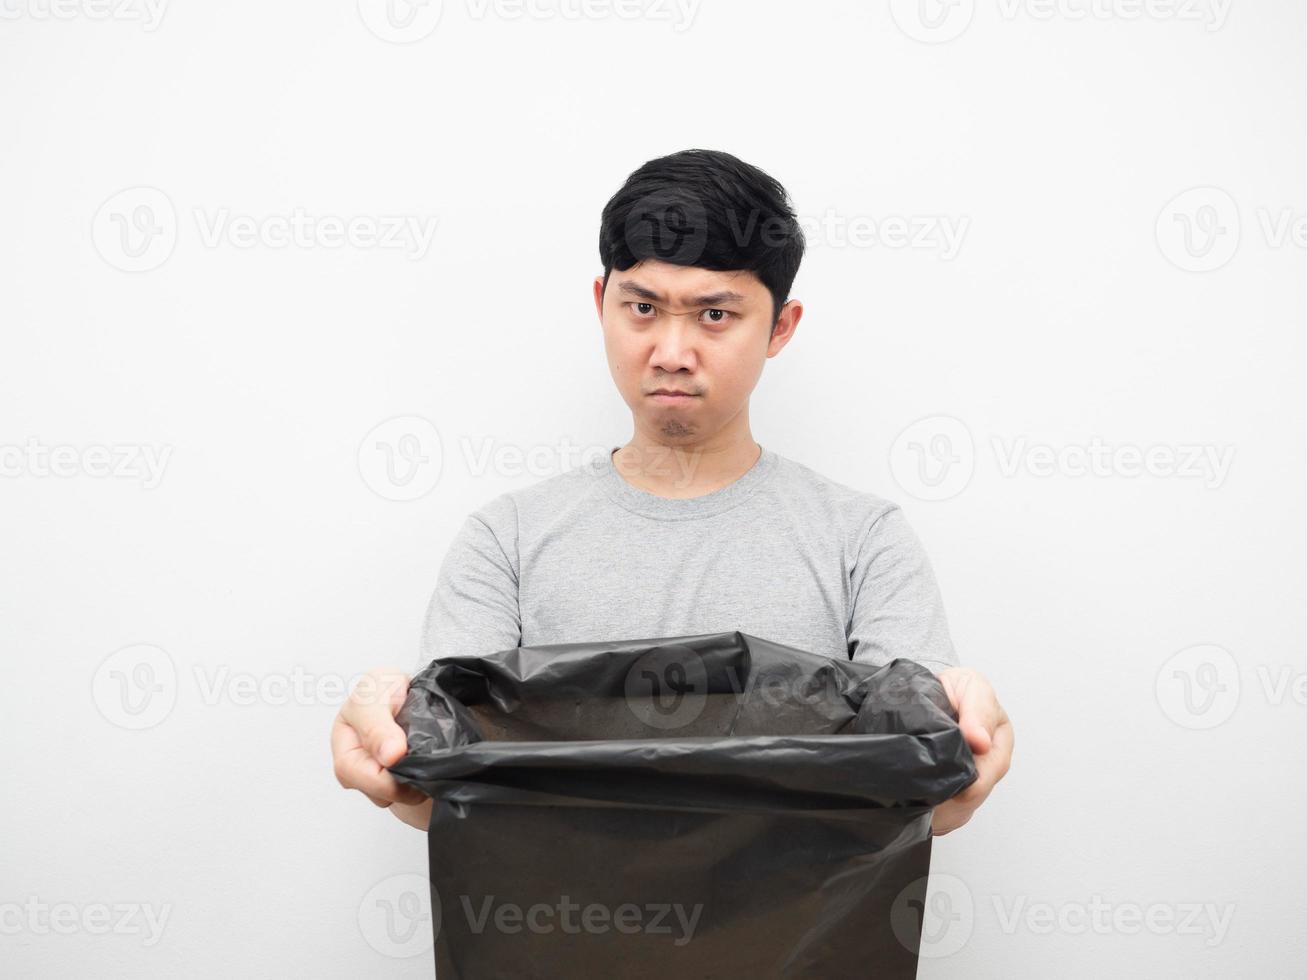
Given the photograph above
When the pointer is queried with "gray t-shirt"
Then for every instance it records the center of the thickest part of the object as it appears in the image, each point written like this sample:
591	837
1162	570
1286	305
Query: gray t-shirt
782	553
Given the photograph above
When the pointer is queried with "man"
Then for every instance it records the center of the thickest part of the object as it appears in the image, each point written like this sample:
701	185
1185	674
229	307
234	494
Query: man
692	527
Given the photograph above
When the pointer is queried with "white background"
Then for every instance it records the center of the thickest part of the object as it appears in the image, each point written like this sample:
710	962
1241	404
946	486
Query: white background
270	552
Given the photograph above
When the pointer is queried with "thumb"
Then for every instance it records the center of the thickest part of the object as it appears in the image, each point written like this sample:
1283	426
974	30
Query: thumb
393	748
977	736
971	699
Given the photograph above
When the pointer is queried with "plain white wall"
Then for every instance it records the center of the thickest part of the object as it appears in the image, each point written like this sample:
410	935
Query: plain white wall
1107	255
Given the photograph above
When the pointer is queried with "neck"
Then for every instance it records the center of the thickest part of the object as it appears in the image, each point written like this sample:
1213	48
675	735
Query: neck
683	468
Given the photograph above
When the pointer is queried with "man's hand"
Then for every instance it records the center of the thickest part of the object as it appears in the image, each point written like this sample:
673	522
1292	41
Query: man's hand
988	731
365	740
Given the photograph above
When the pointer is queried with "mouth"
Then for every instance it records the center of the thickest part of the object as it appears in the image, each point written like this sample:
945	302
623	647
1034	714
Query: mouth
671	396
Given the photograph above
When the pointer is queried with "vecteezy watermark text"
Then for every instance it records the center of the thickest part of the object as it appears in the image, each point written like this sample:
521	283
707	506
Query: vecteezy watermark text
123	461
149	13
1211	14
935	458
941	911
942	234
668	687
40	918
941	21
1207	919
1208	463
136	230
407	21
403	458
573	918
299	229
138	686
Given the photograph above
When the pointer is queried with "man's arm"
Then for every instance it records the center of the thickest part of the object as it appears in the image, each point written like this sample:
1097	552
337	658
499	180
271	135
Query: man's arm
898	612
473	611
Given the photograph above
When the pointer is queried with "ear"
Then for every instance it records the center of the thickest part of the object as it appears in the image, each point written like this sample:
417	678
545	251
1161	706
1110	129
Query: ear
786	324
599	297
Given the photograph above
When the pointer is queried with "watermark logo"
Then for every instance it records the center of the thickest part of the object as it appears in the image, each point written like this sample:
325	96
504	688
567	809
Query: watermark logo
933	21
933	458
1199	229
135	230
400	21
934	915
1198	687
401	459
135	687
670	225
400	916
666	687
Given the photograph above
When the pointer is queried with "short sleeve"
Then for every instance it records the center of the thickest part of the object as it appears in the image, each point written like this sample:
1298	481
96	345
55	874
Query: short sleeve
474	609
897	609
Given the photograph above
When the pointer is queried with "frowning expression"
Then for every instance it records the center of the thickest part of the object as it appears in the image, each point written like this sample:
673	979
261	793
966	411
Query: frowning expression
686	345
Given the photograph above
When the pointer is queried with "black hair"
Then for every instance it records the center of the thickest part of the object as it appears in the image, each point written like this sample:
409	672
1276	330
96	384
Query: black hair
708	209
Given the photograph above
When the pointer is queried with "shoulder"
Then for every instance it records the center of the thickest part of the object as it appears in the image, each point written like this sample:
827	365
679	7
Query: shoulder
854	510
508	512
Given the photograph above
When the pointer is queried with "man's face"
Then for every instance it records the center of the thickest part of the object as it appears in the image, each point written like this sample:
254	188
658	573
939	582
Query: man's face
686	329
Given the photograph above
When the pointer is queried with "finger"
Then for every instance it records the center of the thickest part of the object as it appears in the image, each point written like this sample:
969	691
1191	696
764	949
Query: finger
364	774
995	763
383	739
371	711
415	816
978	711
949	816
357	768
991	766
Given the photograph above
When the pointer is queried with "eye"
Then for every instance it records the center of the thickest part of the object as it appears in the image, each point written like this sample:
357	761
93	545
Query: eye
642	309
725	315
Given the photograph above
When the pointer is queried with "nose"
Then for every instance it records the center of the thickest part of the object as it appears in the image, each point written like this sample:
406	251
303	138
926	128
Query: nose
673	345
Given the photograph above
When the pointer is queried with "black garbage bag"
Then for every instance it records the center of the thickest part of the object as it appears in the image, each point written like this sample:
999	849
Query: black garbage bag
714	806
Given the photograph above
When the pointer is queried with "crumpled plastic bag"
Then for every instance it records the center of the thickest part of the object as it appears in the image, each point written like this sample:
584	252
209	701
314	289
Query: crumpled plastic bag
713	806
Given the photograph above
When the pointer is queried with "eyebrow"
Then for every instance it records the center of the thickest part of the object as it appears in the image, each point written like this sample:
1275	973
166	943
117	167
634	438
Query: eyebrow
711	299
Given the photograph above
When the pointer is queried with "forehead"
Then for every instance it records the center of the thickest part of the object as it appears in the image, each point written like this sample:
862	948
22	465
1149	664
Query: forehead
684	285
